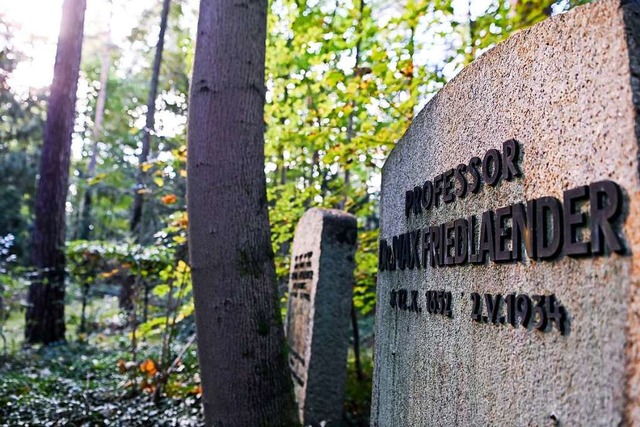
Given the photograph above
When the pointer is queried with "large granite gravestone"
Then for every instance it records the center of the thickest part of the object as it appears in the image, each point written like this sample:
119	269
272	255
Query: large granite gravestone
317	324
509	287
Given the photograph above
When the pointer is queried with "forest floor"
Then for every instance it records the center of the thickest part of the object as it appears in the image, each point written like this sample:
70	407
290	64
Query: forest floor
92	379
95	379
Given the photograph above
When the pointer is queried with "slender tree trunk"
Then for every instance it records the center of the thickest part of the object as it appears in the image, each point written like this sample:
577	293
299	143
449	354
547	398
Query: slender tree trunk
138	198
356	341
85	221
354	106
241	345
45	312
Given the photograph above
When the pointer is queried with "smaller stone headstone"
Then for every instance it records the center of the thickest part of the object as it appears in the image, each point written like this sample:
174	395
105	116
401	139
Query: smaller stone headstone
317	323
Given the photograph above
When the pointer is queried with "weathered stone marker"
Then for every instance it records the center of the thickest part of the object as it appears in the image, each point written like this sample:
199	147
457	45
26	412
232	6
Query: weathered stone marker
317	324
509	282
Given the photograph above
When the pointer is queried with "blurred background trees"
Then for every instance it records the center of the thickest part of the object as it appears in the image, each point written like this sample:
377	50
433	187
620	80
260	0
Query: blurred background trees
344	79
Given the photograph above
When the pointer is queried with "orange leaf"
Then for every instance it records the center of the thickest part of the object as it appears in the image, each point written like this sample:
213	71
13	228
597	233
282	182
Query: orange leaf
169	199
149	367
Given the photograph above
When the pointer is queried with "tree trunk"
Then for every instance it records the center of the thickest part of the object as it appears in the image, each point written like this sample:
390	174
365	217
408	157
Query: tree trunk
356	341
354	106
45	313
138	198
85	219
241	345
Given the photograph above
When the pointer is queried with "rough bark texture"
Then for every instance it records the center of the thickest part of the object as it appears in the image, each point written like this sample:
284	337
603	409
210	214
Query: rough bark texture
45	313
138	199
245	377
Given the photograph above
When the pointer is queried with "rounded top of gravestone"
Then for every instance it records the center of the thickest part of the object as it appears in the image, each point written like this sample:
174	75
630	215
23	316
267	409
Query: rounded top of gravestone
338	225
334	213
502	91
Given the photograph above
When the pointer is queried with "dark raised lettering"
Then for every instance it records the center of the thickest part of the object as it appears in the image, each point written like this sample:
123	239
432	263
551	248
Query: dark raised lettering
474	255
494	307
405	248
408	202
487	244
391	258
426	247
417	200
449	242
383	261
476	311
474	163
574	220
415	307
461	188
549	227
461	245
606	206
442	246
503	235
427	195
402	299
524	229
491	175
437	190
397	251
415	254
448	186
510	154
435	245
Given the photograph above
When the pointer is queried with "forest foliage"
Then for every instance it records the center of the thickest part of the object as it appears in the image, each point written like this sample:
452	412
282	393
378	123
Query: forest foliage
344	79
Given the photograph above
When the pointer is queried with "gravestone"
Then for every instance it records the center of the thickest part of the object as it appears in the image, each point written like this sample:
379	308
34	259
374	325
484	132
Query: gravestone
508	288
317	323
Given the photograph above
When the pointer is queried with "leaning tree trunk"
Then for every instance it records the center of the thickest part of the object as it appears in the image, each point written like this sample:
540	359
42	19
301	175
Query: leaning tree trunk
138	197
45	312
244	372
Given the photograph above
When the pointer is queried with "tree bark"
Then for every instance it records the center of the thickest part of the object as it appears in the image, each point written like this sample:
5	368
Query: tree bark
241	345
45	312
138	198
354	106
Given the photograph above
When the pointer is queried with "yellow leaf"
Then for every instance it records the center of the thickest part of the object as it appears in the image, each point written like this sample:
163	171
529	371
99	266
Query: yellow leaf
96	179
146	166
182	266
159	181
179	239
183	173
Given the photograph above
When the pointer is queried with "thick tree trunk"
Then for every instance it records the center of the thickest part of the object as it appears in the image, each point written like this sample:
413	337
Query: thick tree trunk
45	313
244	371
138	198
